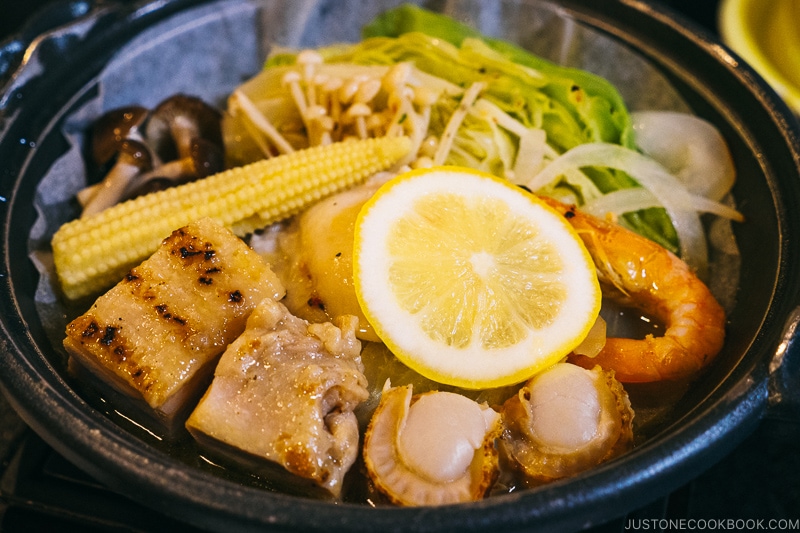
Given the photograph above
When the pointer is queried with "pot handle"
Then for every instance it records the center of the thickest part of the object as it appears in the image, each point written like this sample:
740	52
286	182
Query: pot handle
784	373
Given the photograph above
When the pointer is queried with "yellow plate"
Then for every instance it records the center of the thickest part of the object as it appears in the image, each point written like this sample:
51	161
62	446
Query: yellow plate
766	34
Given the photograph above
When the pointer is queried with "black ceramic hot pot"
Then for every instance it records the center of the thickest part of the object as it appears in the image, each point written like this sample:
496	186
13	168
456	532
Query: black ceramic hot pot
63	69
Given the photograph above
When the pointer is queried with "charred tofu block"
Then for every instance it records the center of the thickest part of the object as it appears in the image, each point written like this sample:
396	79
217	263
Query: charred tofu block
282	400
157	335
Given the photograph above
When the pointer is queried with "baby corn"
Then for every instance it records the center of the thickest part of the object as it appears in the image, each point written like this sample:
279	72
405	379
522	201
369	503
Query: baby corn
90	254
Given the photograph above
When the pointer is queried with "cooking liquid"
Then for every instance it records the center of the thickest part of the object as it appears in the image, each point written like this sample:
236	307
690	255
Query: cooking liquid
648	402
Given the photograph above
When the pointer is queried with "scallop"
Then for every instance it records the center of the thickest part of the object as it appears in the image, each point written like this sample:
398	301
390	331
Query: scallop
326	232
434	448
313	257
565	420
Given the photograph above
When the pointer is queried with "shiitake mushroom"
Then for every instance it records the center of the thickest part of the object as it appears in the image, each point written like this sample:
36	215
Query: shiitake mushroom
140	150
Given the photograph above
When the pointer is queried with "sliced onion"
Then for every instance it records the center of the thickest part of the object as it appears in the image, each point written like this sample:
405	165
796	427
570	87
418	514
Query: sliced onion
621	202
668	190
595	340
635	199
690	148
707	205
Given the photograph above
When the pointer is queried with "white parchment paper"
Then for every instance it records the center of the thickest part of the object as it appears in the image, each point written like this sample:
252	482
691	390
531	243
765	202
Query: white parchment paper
207	51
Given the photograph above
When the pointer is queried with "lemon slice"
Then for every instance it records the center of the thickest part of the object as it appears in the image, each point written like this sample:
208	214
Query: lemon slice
470	280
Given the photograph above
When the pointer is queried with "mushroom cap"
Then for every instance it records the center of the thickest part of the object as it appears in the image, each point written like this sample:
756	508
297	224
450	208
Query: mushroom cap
177	120
205	159
133	159
137	153
207	156
112	128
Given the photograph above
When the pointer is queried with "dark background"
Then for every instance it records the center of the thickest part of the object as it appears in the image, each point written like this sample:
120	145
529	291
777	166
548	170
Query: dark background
759	480
15	13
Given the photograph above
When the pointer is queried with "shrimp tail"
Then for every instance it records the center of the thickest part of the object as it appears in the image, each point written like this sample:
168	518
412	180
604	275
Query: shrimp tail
639	273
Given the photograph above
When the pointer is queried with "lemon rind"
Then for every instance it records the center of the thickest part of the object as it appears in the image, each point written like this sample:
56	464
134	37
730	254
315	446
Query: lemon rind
467	368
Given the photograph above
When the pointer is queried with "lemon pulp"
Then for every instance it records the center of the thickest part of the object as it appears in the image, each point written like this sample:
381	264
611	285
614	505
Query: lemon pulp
470	280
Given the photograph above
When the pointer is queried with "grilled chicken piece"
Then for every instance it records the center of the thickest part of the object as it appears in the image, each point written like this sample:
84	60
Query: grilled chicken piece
285	391
157	335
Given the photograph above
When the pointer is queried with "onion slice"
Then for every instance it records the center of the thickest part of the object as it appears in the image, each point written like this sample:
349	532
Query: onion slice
690	148
635	199
668	190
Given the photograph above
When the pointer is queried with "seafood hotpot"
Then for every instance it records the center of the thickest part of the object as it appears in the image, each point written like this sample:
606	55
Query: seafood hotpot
120	52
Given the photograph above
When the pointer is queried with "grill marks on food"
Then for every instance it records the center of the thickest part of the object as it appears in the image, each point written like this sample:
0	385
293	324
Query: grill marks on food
117	349
164	312
196	255
172	316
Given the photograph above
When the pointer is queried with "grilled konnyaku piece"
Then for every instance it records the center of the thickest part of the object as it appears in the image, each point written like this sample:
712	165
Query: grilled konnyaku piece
157	335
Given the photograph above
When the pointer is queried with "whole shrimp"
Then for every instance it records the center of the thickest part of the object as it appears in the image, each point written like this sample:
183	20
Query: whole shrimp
639	273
